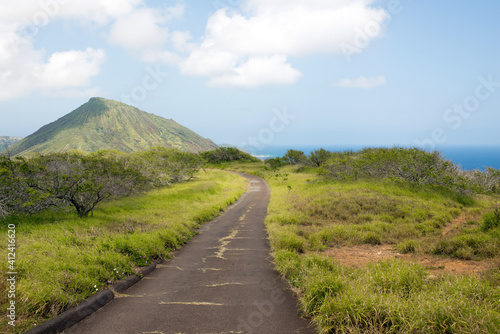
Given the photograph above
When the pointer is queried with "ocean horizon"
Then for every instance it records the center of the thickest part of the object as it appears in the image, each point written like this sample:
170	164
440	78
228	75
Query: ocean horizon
468	157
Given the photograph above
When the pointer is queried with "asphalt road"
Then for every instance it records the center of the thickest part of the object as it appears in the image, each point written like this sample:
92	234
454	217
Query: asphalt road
221	282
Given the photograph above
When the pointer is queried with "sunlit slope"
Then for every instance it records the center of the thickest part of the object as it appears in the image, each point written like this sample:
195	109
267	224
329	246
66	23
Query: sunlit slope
105	124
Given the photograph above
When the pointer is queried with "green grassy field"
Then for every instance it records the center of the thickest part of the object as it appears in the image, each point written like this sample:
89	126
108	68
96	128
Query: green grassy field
309	215
62	259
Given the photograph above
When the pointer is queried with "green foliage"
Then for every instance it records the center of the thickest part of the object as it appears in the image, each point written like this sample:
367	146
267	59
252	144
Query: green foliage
391	296
407	246
102	124
319	157
275	163
62	259
227	154
294	157
411	165
84	180
491	220
487	181
162	166
469	246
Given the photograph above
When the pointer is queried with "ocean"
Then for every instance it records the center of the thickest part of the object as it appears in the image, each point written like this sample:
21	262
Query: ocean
469	157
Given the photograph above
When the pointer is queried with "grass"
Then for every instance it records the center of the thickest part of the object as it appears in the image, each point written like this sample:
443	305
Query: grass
326	213
309	214
391	296
61	259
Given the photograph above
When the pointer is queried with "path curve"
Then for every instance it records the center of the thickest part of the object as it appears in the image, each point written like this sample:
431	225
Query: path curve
221	282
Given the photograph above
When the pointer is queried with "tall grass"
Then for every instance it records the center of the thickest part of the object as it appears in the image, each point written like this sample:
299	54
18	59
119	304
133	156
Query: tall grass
309	214
63	259
391	296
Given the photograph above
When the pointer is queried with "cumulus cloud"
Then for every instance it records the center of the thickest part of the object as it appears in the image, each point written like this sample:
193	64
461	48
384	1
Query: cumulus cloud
140	29
70	68
24	69
362	82
37	13
259	71
265	29
145	33
132	25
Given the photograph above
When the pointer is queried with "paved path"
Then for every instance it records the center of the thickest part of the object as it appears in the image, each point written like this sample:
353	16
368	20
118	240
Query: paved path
221	282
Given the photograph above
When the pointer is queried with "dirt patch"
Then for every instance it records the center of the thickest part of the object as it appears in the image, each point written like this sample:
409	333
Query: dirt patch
457	222
460	222
358	256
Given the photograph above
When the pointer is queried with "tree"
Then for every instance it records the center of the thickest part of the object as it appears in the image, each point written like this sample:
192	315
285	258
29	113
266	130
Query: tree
319	157
162	166
76	179
294	157
226	154
81	180
16	195
275	163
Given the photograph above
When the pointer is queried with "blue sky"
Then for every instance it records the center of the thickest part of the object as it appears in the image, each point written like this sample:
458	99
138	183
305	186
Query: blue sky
257	73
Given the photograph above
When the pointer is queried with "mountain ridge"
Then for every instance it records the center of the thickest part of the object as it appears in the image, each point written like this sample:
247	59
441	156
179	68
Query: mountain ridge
106	124
7	141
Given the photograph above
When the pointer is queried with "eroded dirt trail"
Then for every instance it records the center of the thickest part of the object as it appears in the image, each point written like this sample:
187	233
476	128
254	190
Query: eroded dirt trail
222	282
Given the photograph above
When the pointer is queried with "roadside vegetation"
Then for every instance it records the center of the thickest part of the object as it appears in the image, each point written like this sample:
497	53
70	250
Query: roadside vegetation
413	201
84	221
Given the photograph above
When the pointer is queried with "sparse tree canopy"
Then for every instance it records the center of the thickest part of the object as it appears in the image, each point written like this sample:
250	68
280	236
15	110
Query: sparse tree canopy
84	180
294	157
413	165
319	157
226	154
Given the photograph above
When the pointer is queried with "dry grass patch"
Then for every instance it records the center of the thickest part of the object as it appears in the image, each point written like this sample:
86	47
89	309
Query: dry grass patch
361	255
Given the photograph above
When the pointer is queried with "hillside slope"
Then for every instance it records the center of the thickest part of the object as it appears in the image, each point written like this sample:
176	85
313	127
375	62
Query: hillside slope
105	124
8	141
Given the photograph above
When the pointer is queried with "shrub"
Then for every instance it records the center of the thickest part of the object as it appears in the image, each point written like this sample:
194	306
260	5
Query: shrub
396	276
294	157
468	246
319	157
81	180
226	154
275	163
491	220
408	246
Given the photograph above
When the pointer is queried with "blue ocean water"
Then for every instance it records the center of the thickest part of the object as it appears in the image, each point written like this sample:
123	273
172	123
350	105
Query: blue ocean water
469	157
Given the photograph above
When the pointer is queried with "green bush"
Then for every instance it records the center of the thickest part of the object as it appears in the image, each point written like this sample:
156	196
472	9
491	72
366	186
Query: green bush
491	220
468	246
81	180
408	246
226	154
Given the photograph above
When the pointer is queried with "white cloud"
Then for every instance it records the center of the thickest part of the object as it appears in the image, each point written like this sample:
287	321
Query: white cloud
71	68
144	32
24	69
362	82
181	41
259	71
266	28
39	13
140	29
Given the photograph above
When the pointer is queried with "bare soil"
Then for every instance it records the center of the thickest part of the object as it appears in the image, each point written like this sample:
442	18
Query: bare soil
358	256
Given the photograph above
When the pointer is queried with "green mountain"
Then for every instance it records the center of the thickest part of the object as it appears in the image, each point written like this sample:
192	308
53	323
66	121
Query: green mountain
105	124
8	141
